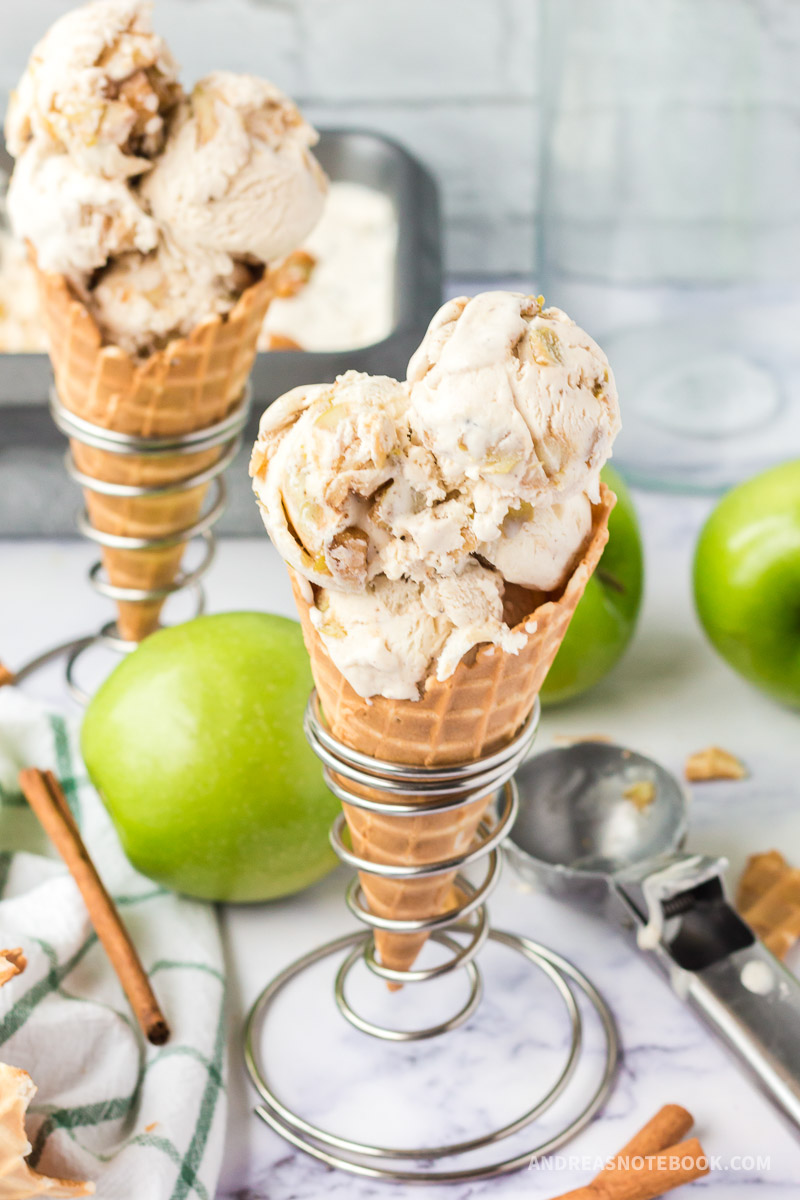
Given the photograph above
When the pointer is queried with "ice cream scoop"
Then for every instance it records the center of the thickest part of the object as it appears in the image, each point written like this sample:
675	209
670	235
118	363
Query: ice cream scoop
390	637
579	836
237	175
516	402
98	86
94	219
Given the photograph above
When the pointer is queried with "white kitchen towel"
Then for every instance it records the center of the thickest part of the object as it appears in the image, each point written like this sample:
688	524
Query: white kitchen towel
144	1122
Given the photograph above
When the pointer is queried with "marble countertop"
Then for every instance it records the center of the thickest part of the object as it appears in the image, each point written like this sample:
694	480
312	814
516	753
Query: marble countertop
670	696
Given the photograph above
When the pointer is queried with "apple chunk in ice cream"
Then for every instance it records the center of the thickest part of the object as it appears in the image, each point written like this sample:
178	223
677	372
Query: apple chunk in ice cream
400	501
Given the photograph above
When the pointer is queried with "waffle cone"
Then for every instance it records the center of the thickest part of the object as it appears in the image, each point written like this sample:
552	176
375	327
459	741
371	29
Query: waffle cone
191	384
475	712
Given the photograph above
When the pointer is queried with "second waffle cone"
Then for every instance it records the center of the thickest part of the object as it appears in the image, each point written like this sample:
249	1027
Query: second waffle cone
193	383
475	712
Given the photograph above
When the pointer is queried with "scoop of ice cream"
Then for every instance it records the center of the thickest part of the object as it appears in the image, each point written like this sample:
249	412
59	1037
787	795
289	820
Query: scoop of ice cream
539	547
237	175
142	301
381	639
515	401
349	490
321	453
98	86
76	220
410	505
394	634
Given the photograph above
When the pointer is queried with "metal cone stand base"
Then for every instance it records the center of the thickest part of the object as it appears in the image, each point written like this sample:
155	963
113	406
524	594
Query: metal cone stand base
227	435
463	931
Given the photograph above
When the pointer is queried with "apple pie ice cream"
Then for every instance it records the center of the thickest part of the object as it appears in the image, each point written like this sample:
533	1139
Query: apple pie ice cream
410	506
385	638
237	176
98	219
439	532
145	300
158	207
519	408
152	218
322	457
98	87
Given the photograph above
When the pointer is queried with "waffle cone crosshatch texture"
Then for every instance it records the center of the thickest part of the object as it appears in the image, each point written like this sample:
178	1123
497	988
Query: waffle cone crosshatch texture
190	385
475	712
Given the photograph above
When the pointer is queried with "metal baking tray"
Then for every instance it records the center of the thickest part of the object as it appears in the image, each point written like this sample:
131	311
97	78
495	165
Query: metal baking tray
35	496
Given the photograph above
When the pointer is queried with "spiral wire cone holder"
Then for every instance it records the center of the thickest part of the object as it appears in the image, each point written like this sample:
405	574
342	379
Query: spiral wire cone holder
226	435
443	788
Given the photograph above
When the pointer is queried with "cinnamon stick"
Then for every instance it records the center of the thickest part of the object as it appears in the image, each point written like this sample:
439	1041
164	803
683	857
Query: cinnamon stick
43	792
668	1127
6	676
672	1167
651	1163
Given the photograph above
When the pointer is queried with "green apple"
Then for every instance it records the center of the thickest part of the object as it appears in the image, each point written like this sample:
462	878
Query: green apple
604	621
195	742
747	580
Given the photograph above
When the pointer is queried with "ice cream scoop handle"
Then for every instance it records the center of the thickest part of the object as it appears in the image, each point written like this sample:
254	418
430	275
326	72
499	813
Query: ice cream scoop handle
753	1003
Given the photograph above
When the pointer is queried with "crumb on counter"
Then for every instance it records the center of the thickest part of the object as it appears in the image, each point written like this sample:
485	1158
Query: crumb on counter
12	962
713	763
768	899
18	1178
759	874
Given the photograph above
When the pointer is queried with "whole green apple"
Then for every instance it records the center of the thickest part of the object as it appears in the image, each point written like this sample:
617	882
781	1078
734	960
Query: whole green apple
747	580
604	621
195	742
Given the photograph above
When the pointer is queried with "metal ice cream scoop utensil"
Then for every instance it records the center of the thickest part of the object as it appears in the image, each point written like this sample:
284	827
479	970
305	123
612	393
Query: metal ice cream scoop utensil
579	835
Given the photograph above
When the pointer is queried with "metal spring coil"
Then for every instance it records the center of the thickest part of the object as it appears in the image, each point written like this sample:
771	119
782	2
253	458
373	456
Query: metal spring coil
445	788
226	434
434	790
